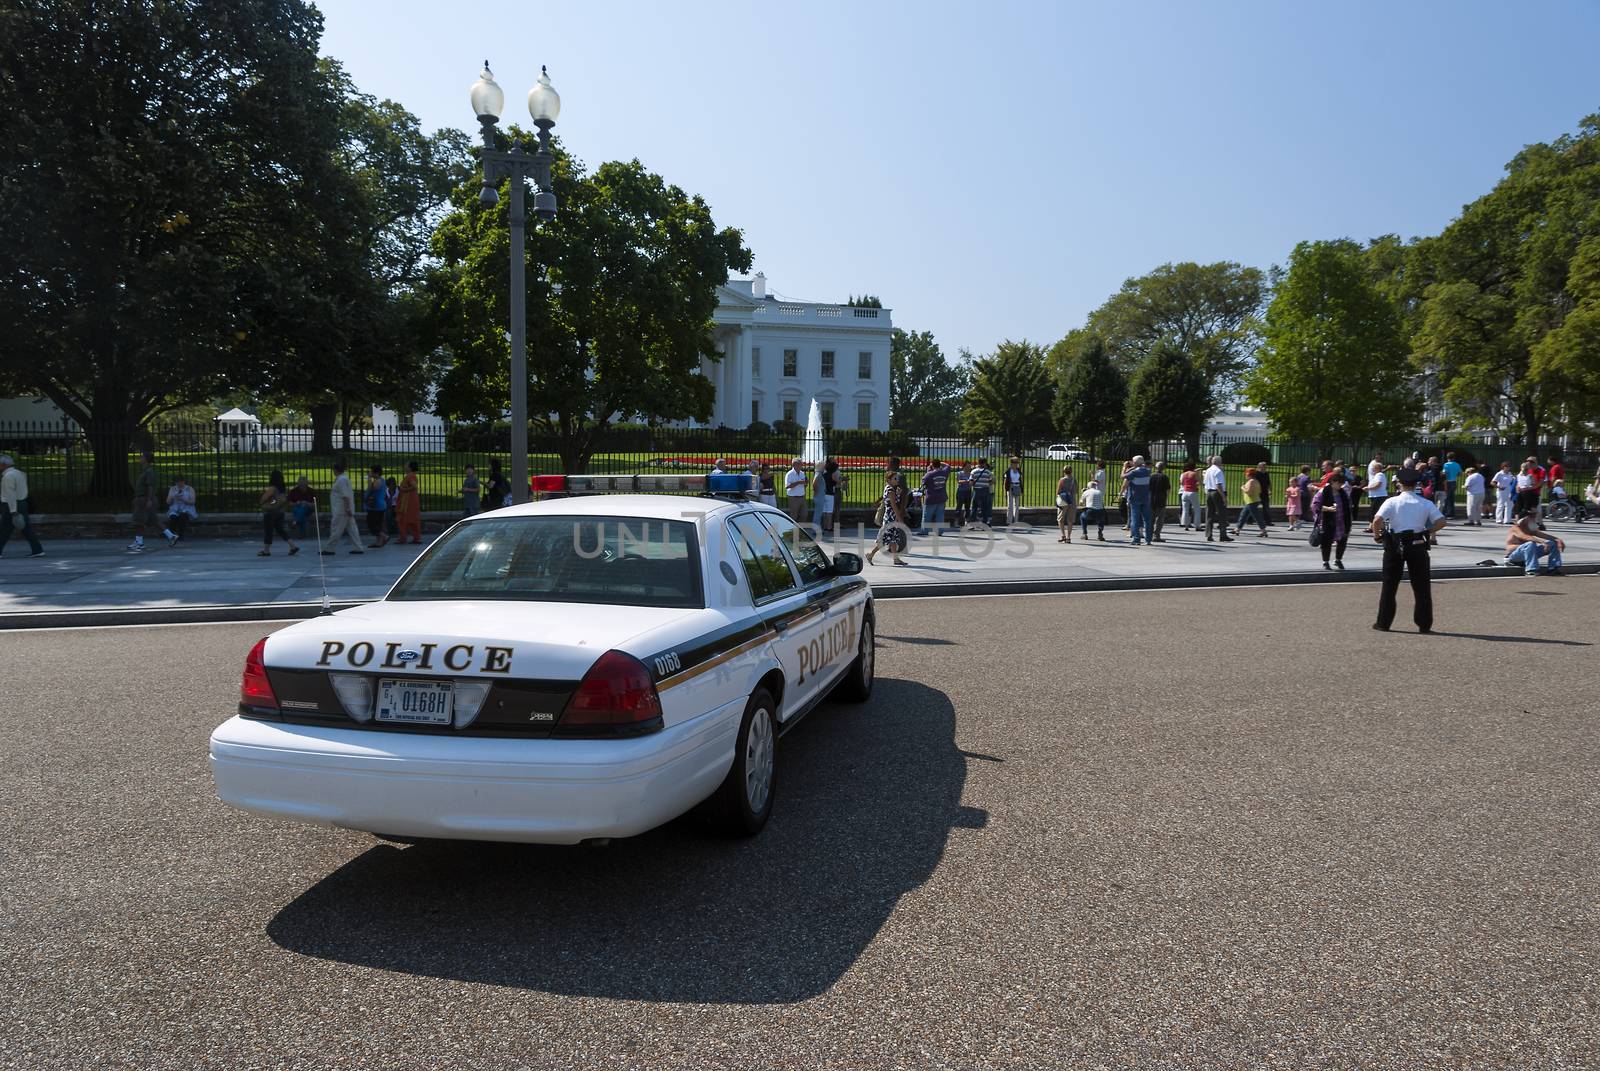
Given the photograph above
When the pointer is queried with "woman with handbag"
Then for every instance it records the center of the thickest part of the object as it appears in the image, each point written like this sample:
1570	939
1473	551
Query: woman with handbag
891	508
1066	503
1331	519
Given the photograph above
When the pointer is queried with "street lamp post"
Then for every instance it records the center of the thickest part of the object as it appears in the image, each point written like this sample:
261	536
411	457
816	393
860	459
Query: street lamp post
517	164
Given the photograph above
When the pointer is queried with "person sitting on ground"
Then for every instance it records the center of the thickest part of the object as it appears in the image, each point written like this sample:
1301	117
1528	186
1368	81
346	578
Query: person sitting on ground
1526	543
180	511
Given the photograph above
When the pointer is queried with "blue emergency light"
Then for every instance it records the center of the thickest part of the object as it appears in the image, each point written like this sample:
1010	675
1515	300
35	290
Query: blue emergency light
730	483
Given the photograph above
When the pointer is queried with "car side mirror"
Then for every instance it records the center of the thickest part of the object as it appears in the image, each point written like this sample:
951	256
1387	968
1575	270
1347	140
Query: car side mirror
847	564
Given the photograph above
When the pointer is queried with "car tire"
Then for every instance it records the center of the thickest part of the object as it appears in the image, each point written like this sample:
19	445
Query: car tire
856	684
744	802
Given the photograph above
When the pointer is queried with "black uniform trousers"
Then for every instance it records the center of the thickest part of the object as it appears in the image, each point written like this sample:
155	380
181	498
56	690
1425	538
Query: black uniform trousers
1409	554
1217	515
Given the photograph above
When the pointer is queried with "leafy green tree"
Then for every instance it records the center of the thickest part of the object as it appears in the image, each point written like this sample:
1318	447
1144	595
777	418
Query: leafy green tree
865	301
925	390
373	347
1496	286
1168	398
1091	404
1572	351
1332	365
1207	311
621	289
160	164
1010	397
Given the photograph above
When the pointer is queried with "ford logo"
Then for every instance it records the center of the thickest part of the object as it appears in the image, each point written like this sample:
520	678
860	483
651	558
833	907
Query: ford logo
407	656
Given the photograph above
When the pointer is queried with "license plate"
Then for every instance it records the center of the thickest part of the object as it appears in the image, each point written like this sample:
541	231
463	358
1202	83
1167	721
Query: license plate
415	702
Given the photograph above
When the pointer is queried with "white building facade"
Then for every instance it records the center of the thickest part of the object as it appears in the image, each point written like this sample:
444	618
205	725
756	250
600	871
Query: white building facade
779	355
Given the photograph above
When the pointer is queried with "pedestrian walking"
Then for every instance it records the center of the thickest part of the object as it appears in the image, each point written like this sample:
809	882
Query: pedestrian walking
1160	490
376	504
1122	493
827	493
1094	510
1505	494
391	521
1216	487
1067	504
983	493
1403	524
766	485
1136	492
892	527
342	508
1527	489
1013	486
408	506
274	499
1377	487
147	495
1291	504
1475	488
302	500
1264	479
1526	544
1189	513
1355	479
471	491
963	494
1250	492
935	494
180	510
15	507
794	491
1332	517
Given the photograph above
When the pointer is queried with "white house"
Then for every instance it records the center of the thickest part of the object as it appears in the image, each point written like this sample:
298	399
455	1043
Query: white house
778	355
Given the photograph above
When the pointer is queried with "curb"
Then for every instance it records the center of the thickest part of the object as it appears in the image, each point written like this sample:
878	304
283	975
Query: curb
296	611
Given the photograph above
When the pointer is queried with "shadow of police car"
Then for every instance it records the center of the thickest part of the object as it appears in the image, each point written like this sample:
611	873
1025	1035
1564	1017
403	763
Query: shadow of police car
870	796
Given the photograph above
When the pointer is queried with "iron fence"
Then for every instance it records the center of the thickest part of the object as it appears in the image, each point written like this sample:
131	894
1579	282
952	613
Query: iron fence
229	465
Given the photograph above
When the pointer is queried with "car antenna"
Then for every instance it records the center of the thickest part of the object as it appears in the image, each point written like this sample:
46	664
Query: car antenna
322	570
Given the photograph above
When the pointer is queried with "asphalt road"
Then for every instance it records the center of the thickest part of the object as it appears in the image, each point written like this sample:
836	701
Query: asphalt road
1231	828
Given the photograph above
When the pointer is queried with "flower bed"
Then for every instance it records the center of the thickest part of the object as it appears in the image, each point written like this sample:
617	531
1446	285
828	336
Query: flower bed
734	464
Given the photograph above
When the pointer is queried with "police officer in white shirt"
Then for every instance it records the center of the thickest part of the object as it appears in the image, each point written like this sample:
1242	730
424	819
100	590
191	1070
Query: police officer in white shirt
1403	524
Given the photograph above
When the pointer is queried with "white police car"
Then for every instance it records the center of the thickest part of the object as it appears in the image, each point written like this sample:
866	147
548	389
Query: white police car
567	670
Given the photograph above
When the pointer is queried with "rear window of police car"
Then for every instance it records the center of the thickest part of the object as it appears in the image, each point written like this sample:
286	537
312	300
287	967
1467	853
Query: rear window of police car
627	561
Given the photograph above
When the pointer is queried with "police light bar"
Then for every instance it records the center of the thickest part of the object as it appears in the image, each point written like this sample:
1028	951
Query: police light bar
730	483
600	485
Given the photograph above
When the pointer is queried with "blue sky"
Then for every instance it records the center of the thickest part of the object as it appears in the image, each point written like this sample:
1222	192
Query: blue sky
995	170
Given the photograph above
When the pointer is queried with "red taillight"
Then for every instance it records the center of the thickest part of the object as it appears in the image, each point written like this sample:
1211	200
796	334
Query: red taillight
617	691
255	690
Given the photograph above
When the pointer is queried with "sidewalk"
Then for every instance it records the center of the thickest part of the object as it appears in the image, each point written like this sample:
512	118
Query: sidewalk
165	583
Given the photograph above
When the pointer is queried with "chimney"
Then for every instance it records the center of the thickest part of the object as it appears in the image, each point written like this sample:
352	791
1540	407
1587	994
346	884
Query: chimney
758	286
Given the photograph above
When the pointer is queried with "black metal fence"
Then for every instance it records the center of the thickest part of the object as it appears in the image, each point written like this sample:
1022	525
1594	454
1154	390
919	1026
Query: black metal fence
229	463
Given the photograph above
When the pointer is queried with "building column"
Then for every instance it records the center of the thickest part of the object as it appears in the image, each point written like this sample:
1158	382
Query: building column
746	379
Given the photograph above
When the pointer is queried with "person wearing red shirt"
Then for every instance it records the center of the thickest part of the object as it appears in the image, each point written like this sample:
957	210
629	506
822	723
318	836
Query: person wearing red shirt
1556	473
1189	514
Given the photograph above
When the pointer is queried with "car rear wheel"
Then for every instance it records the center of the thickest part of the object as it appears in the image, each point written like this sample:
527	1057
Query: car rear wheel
744	802
856	684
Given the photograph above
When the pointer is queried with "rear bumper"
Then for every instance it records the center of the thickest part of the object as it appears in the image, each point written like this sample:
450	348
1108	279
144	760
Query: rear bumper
413	785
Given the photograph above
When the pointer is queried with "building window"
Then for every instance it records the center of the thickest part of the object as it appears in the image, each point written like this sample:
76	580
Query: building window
755	410
789	411
864	366
827	364
827	415
405	421
791	363
755	361
863	415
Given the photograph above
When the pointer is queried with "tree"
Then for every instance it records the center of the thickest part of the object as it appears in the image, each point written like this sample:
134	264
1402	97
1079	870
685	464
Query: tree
1090	406
925	390
621	289
1496	286
159	163
1167	398
1331	367
1572	351
865	301
1207	311
1009	397
375	247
